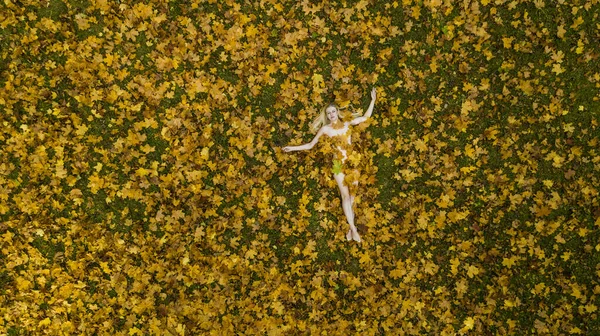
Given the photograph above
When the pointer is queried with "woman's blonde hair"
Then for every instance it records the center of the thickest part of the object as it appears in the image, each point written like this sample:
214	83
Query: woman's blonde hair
321	119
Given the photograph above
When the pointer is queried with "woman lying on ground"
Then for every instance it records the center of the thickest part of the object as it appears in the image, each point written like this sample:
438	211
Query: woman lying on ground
345	171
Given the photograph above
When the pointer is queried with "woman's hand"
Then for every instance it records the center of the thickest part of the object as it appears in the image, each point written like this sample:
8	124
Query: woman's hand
287	149
373	94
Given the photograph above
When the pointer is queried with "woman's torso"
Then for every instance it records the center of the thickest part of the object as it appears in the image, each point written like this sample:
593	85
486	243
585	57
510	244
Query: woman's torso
341	138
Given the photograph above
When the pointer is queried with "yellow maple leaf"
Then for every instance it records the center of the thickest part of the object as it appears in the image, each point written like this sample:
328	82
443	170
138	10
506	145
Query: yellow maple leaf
433	66
561	31
526	87
454	263
469	323
250	254
575	330
23	284
423	220
95	183
310	247
443	201
579	49
44	322
468	169
416	12
81	130
105	267
420	145
472	271
577	22
317	82
461	287
60	170
408	175
509	262
365	258
321	207
440	219
467	106
278	307
556	68
251	30
134	331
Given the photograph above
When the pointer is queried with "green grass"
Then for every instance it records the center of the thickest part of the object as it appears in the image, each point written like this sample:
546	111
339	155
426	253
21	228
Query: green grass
492	231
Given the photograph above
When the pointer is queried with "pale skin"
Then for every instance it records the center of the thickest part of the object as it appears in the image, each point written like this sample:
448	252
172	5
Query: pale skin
333	117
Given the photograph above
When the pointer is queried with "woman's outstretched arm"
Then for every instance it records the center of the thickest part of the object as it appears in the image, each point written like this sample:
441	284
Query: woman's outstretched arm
305	146
358	120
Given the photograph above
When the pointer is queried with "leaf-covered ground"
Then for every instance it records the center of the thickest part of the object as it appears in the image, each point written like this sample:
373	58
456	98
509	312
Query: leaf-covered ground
143	189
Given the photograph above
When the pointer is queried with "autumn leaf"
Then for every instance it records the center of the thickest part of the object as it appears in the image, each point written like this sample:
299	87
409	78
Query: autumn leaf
143	181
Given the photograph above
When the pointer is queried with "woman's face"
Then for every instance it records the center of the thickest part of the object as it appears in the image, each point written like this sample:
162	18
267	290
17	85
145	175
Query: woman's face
332	113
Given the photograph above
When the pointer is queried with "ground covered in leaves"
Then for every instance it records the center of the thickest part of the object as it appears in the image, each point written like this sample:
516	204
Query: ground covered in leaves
143	189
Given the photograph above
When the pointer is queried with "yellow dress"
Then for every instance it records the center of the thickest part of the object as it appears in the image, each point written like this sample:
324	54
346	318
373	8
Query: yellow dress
350	165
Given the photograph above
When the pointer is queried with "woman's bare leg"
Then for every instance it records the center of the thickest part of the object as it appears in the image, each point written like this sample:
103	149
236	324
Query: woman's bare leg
356	236
347	201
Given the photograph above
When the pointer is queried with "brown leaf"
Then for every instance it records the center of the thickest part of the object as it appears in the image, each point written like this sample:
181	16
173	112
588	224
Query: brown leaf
569	174
362	229
597	213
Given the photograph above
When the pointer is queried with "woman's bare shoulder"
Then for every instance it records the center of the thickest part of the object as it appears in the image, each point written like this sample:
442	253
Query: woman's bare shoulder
326	129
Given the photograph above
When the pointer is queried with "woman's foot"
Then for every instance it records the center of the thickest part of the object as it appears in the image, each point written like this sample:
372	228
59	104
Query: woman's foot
355	235
349	235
